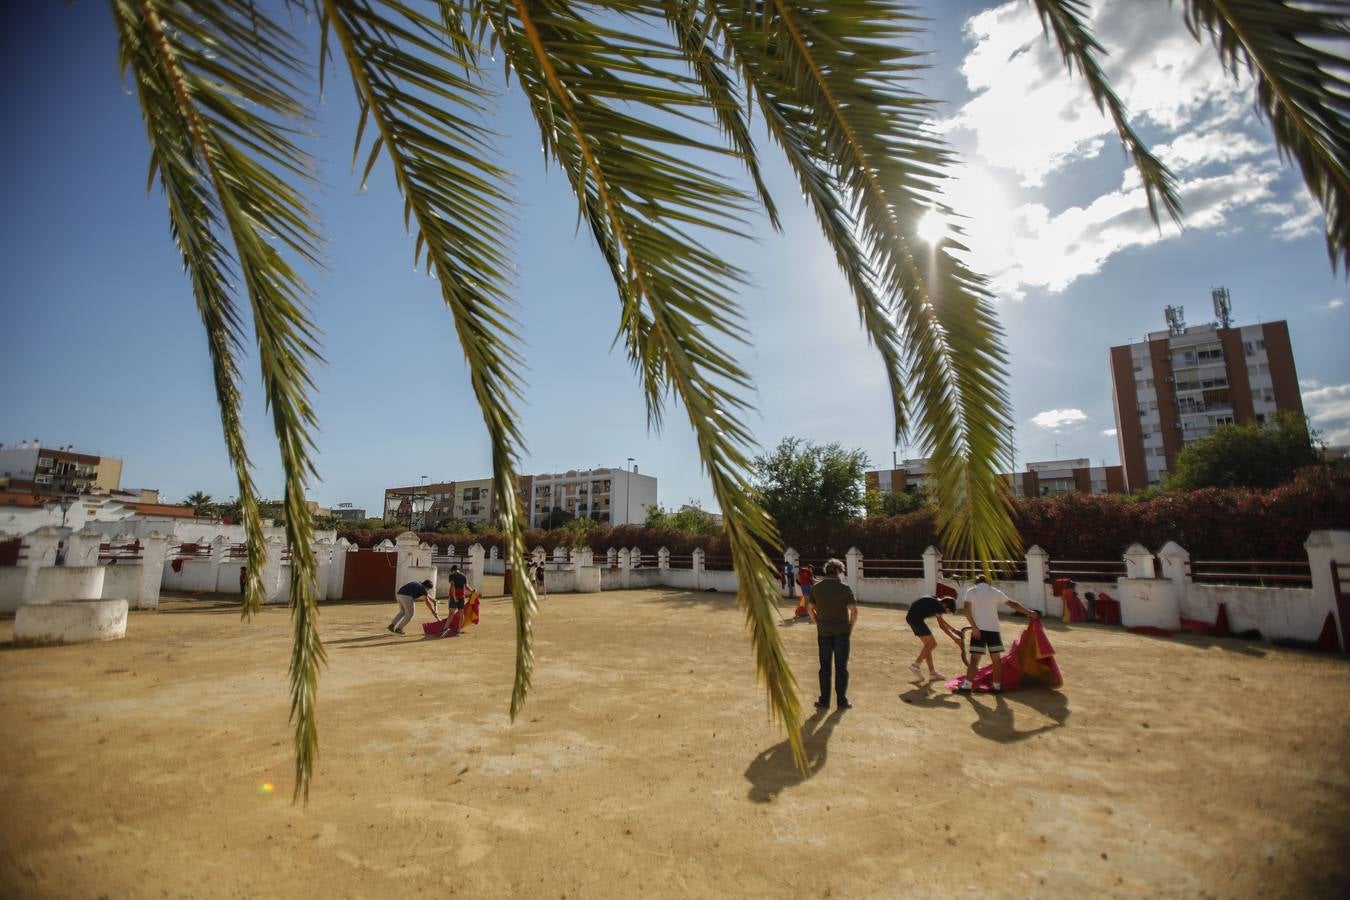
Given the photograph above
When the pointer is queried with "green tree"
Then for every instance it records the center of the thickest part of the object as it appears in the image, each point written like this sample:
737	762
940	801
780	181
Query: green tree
619	88
201	503
557	517
1250	456
805	486
891	503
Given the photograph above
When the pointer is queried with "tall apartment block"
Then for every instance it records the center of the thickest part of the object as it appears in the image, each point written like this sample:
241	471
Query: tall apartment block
1182	383
31	468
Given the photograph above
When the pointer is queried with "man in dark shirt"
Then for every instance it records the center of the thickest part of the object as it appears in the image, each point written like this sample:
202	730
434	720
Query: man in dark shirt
834	610
407	598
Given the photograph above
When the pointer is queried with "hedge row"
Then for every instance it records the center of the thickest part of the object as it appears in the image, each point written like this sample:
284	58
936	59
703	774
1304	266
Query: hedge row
1213	524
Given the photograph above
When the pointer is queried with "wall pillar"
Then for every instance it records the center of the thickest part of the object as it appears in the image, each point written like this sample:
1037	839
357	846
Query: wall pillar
476	568
154	548
271	573
1038	570
1324	548
698	568
1139	562
1176	568
932	568
338	577
82	546
853	574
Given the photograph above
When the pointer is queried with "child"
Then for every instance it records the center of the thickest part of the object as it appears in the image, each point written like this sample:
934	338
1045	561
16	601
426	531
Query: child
925	608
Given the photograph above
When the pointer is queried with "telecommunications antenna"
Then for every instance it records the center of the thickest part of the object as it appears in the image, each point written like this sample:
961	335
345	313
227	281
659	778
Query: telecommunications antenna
1223	305
1176	319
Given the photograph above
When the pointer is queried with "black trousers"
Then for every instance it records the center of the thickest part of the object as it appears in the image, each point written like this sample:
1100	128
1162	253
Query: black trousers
834	647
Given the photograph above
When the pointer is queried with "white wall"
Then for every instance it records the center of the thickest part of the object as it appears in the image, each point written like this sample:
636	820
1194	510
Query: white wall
889	591
1275	612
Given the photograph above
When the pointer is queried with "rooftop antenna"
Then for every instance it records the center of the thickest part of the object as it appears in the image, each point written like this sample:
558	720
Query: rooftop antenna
1176	319
1223	306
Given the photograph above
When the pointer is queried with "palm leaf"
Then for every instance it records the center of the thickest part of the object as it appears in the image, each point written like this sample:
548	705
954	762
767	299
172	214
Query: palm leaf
1066	20
834	79
226	73
1296	49
601	96
405	66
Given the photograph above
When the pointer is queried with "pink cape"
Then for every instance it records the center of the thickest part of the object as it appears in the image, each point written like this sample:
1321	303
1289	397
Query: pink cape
1030	660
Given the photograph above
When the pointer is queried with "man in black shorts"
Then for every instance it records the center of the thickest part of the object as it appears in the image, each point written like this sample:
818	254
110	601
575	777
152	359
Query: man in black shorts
920	610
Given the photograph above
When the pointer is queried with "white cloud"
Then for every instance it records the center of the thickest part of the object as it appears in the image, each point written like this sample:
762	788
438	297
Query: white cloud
1302	218
1028	115
1031	246
1328	409
1109	432
1058	418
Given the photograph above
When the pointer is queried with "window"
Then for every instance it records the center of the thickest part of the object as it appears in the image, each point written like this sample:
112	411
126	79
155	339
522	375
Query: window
1211	353
1225	420
1260	419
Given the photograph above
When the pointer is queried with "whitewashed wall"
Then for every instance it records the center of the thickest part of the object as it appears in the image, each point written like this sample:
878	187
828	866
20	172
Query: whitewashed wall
1275	612
889	591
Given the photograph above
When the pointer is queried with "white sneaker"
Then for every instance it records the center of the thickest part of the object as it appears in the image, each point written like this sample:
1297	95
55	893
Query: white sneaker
936	676
915	668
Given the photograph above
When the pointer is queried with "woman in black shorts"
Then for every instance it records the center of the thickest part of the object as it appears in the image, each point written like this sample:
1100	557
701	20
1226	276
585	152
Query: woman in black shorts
920	610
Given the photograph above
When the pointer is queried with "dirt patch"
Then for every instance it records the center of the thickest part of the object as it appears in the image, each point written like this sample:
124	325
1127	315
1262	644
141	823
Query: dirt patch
644	763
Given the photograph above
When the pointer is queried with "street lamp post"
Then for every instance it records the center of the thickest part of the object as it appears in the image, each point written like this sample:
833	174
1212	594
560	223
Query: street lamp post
628	493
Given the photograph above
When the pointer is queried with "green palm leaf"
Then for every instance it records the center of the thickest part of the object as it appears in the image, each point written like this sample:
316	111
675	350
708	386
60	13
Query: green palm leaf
405	66
216	82
601	97
834	80
1296	49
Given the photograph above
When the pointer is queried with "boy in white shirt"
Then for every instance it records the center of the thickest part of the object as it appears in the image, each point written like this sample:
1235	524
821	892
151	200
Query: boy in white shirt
981	608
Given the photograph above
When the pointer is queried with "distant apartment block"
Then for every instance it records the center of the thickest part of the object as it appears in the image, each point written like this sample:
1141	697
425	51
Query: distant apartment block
1041	479
609	496
31	468
346	512
1180	384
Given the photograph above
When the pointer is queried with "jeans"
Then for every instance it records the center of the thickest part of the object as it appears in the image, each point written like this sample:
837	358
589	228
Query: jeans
836	646
406	606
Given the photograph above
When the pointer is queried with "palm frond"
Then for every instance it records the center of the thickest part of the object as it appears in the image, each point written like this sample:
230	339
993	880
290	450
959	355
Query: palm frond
229	72
1066	20
601	97
1296	49
194	223
834	79
406	70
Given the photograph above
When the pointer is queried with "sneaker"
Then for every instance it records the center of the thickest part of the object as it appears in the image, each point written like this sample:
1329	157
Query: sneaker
916	669
389	628
399	631
963	688
996	689
822	704
843	704
936	676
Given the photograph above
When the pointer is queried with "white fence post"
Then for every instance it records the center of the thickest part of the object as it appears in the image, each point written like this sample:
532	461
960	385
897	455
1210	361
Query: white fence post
1139	562
663	559
1176	568
271	573
476	567
698	568
932	567
154	547
1324	548
1038	569
853	562
337	578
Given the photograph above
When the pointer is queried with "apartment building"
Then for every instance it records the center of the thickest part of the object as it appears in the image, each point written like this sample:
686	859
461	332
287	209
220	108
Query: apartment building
609	496
1046	478
31	468
1180	384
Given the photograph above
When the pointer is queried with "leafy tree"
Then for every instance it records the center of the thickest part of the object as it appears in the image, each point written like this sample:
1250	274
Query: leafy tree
1251	455
805	486
201	503
557	517
833	82
891	503
690	518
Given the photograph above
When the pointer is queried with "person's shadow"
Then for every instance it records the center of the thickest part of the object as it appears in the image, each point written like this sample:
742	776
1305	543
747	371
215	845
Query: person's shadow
773	771
926	696
996	724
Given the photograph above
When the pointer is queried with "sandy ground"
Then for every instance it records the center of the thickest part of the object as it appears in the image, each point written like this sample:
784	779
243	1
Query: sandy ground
645	764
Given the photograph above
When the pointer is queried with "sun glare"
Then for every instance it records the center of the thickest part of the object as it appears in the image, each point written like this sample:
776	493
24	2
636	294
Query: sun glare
933	226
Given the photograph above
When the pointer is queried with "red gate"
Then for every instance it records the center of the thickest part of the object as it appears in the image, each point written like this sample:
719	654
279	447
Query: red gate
370	575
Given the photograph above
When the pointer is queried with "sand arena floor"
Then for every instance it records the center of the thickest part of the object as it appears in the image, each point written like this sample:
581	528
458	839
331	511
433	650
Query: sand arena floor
645	765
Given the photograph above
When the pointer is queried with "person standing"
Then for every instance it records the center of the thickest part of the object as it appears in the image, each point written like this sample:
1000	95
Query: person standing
407	598
835	611
540	588
981	608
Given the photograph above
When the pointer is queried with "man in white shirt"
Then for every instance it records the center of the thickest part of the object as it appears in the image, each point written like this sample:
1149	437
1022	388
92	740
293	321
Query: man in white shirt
981	607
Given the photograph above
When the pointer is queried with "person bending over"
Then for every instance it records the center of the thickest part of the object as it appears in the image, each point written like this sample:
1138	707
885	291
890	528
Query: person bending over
407	598
919	612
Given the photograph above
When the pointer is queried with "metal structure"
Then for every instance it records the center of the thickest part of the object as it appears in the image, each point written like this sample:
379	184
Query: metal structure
1176	319
1223	306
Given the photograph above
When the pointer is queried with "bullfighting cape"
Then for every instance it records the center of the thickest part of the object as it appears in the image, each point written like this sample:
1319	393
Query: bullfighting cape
1029	661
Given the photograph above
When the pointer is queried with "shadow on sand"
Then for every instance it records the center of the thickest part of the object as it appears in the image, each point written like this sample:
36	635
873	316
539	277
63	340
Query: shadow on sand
773	771
996	723
931	695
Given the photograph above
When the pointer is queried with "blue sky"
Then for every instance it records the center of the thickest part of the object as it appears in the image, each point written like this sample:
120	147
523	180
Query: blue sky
105	349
